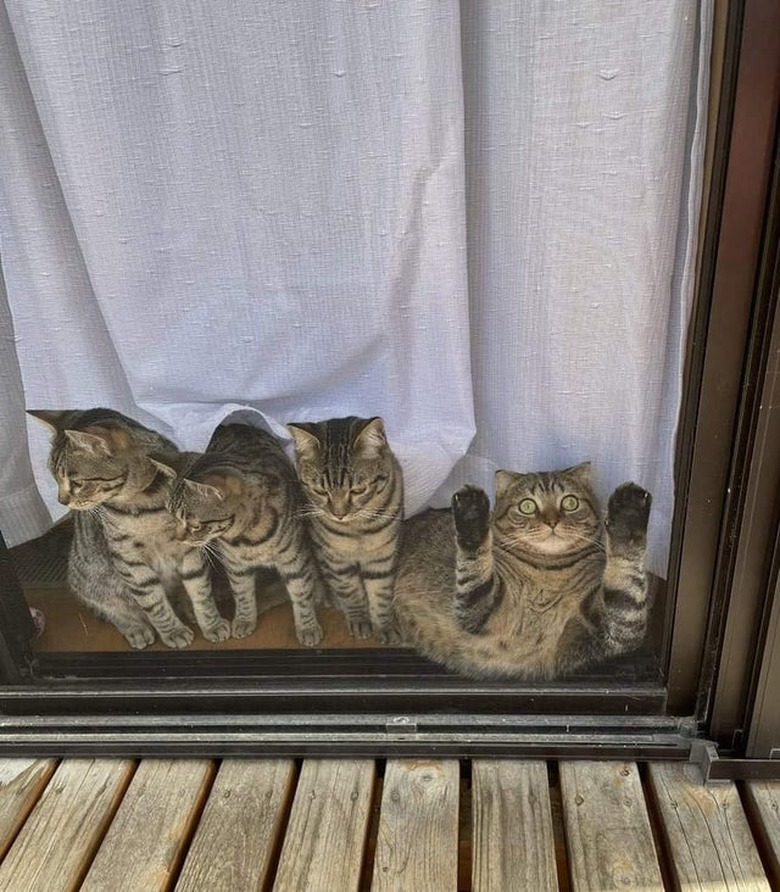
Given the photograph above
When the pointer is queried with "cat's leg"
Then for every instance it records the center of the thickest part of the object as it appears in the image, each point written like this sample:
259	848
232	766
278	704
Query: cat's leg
94	581
476	587
147	589
196	579
378	578
346	586
614	618
626	592
301	578
243	585
93	578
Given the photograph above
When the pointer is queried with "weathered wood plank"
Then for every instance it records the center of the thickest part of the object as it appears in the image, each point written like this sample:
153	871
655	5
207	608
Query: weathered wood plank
143	845
513	842
417	840
762	800
705	831
21	783
58	840
326	833
608	835
238	832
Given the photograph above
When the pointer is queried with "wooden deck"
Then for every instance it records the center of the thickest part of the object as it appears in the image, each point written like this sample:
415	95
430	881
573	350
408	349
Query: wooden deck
337	825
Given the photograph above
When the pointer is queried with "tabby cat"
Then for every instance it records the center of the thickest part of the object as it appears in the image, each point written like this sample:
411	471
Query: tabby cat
355	490
125	559
242	495
539	590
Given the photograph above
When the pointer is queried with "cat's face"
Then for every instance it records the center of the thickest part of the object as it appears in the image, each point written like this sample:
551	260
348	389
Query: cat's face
343	465
93	463
204	510
550	513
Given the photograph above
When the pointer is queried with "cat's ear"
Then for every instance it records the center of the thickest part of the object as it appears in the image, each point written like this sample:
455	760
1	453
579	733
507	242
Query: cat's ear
372	438
504	480
307	443
91	443
203	490
163	468
116	438
228	483
172	464
54	419
217	485
580	474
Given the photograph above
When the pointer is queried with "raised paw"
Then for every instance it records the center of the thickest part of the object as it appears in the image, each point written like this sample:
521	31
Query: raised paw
627	513
471	514
218	631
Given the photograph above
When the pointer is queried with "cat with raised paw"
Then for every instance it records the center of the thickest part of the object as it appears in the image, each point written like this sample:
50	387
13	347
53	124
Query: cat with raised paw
539	588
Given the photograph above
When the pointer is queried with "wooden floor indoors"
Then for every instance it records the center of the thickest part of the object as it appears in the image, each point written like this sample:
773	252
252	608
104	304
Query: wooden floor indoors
337	825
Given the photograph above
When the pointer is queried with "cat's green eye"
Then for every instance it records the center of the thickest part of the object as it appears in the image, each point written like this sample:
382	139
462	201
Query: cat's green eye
358	490
527	507
570	503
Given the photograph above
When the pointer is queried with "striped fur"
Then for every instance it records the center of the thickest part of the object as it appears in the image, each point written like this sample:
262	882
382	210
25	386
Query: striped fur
242	494
354	488
125	560
540	589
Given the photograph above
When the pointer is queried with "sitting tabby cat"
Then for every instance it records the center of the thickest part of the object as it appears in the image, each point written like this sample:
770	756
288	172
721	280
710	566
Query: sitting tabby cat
538	590
242	494
125	558
355	491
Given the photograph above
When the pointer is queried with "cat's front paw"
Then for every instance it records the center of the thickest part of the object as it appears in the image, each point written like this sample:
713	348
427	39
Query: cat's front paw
140	638
218	631
359	628
627	514
178	638
311	635
388	634
471	514
243	628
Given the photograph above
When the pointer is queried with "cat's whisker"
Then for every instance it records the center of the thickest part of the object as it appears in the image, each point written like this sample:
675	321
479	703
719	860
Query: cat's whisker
375	514
211	554
310	511
589	539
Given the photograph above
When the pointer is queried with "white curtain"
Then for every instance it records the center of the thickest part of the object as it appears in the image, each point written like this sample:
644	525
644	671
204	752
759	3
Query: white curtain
477	220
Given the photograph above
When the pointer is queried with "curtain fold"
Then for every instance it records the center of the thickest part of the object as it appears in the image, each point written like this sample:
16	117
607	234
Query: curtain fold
283	210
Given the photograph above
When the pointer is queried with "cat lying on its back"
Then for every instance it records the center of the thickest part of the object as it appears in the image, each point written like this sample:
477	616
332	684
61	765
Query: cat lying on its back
540	589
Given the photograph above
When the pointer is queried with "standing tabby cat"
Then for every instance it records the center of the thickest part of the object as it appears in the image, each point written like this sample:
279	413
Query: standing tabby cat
537	591
125	558
243	495
355	491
